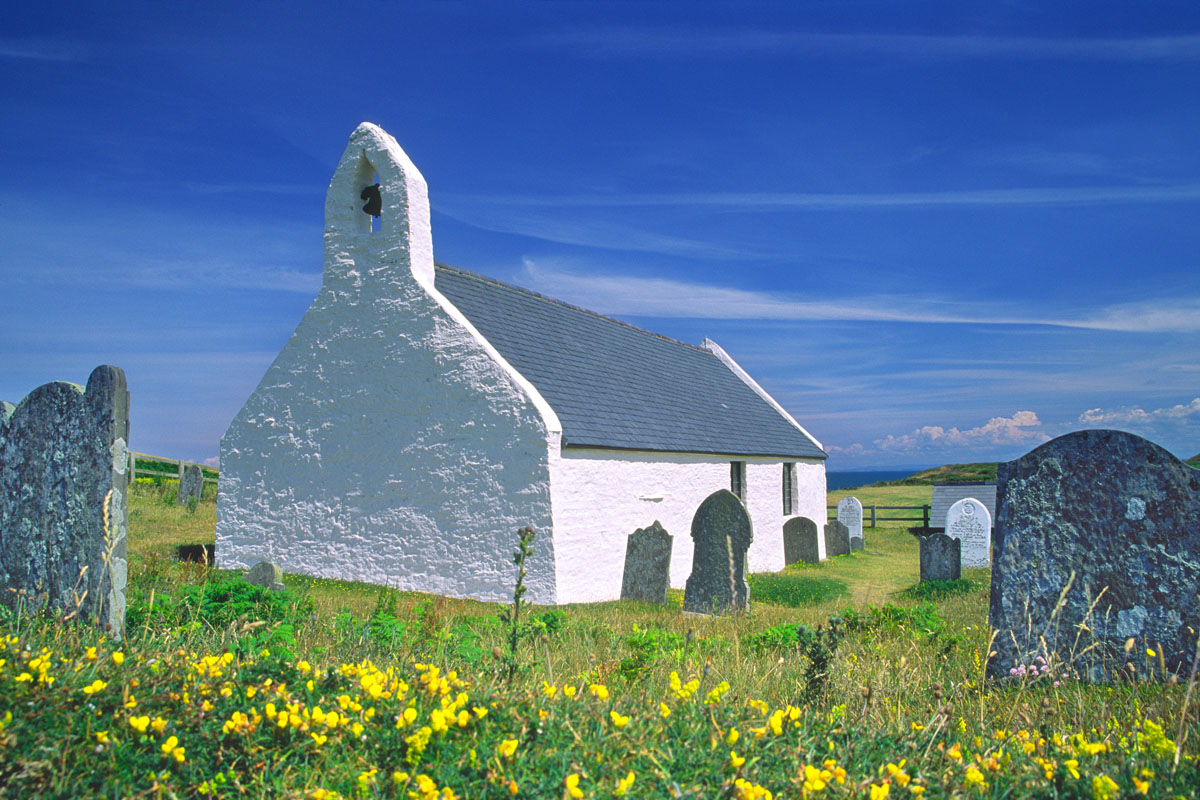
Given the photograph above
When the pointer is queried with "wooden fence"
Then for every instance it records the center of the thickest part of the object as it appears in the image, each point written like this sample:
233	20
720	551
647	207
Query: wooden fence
875	517
135	470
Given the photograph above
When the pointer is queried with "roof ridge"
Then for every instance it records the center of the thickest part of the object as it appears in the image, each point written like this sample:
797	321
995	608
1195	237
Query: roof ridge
487	279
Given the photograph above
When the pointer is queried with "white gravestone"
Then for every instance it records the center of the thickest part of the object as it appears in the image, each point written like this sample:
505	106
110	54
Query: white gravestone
849	513
968	521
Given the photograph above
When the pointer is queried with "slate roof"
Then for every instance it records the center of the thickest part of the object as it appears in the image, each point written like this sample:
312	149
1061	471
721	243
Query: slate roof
617	386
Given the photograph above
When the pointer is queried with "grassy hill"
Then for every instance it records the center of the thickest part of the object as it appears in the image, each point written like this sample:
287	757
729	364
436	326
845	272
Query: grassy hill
1195	461
844	680
981	471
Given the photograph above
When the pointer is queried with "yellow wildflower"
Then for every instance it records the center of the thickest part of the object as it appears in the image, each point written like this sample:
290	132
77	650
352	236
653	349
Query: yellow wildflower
102	737
975	778
139	724
159	725
878	792
735	760
599	690
1072	767
664	709
1104	787
572	784
507	748
815	779
118	658
731	737
569	691
549	689
624	784
836	772
95	686
1141	786
618	720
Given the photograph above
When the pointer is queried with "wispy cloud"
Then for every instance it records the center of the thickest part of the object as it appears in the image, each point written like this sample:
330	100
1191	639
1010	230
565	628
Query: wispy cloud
1132	415
34	49
663	297
608	41
250	188
549	226
759	201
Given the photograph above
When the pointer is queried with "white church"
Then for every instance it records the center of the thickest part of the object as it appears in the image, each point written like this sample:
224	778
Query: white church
421	414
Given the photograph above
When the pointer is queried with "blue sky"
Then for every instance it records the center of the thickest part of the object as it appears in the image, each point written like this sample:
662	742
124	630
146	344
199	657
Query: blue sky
934	232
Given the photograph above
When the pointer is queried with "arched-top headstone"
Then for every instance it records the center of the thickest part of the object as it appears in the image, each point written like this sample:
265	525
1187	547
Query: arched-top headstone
800	541
941	558
850	514
969	521
647	565
1110	523
62	499
265	574
191	485
837	539
722	533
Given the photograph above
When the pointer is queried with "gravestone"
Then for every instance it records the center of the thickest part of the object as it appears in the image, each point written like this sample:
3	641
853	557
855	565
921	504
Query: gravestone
722	533
1109	523
856	543
849	513
647	565
837	539
941	558
264	573
800	541
63	481
190	485
968	521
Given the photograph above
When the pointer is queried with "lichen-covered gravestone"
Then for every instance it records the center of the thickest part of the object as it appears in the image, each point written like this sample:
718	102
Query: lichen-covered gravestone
1109	523
722	533
266	574
191	485
63	480
941	558
968	521
837	539
800	541
647	565
850	514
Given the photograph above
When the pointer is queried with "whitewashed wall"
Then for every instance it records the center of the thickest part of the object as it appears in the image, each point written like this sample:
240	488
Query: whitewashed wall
388	442
601	496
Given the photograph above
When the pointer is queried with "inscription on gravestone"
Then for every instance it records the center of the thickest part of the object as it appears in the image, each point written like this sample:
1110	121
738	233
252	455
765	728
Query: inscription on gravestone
941	558
968	521
837	539
63	481
1110	523
191	485
800	541
850	514
647	565
722	533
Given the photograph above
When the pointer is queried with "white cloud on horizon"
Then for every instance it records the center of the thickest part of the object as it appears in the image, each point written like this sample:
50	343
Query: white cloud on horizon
1137	416
1021	428
664	297
37	49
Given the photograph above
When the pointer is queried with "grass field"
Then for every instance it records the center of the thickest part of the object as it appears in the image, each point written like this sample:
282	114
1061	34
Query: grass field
842	681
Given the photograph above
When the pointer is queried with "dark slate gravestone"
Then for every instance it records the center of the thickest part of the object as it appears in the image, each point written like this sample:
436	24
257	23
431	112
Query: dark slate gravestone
1109	522
800	541
196	553
264	573
63	478
856	543
837	539
941	558
647	565
722	533
190	485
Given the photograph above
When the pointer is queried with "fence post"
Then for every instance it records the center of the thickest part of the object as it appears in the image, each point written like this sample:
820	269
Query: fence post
872	516
925	516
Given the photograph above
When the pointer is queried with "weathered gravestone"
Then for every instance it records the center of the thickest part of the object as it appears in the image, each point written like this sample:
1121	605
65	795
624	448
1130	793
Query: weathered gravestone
264	573
837	539
190	485
63	482
722	533
647	565
968	521
800	541
1109	523
196	553
941	558
849	513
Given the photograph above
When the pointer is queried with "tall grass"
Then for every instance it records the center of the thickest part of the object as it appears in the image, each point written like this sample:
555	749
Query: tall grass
863	693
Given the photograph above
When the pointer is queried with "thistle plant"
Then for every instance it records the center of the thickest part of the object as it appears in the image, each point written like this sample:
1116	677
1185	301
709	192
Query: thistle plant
510	615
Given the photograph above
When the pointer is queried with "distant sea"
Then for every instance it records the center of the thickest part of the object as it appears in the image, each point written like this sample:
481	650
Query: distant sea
849	480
